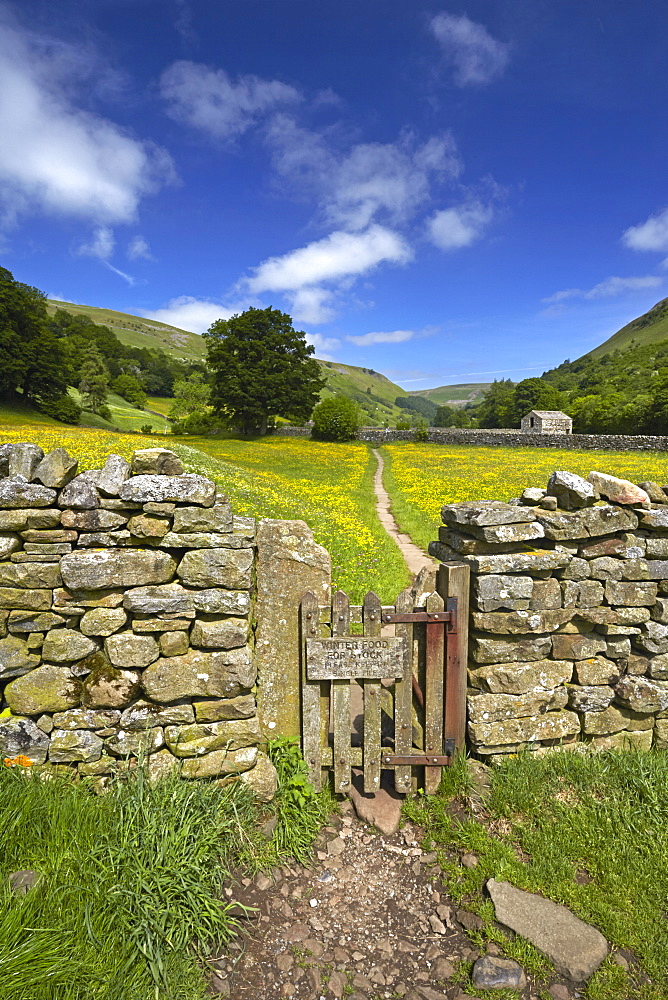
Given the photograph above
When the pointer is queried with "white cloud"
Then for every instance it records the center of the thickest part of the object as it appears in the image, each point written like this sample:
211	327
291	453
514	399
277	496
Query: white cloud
55	157
477	57
339	255
608	288
189	313
323	345
333	262
207	99
391	180
393	337
649	235
139	248
313	304
459	226
101	245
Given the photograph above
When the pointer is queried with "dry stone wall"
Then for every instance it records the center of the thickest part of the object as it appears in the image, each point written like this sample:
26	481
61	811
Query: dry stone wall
569	619
126	596
489	437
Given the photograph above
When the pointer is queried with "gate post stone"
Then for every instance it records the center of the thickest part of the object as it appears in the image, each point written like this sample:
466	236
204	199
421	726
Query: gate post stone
289	562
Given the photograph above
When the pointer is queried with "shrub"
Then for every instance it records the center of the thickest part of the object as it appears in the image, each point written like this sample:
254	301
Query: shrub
403	425
62	408
147	428
198	423
336	419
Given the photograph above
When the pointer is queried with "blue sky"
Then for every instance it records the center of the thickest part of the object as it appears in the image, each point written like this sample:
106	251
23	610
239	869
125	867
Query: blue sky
438	191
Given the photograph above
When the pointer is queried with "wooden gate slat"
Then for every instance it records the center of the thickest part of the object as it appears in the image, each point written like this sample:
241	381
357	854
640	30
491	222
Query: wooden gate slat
403	697
372	625
311	690
341	701
453	581
433	721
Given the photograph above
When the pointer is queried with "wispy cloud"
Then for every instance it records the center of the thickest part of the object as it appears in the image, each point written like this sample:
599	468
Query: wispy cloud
649	235
477	58
392	337
373	181
310	275
138	248
459	226
54	156
609	288
102	246
209	100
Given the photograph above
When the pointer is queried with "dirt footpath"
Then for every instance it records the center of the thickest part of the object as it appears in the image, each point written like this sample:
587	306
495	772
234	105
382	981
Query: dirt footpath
370	920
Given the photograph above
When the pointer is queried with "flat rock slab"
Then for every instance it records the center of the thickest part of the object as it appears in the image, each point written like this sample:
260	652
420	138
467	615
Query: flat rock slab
576	948
382	808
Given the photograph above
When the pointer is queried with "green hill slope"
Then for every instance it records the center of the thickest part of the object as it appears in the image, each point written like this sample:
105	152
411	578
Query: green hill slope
649	328
373	391
454	395
137	332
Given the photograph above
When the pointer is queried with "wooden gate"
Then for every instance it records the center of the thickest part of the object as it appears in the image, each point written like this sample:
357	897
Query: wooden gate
417	676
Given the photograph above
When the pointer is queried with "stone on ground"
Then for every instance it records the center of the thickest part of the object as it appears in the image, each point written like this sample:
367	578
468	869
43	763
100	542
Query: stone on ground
382	808
575	948
494	973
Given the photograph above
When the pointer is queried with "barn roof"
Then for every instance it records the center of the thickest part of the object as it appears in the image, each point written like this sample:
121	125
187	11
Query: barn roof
552	414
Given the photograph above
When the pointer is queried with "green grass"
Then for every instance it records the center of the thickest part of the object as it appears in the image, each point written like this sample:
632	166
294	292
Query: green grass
603	818
129	900
124	416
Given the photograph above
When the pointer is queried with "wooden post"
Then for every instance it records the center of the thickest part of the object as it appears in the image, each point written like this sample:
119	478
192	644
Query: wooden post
311	725
372	624
403	697
433	694
341	701
453	581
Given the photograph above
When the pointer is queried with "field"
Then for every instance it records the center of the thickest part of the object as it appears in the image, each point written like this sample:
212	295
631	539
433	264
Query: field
328	486
420	478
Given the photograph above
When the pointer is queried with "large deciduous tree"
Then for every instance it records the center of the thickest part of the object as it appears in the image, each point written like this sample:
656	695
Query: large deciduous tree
261	367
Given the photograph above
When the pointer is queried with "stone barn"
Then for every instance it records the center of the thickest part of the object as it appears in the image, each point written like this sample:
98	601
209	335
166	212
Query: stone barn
546	422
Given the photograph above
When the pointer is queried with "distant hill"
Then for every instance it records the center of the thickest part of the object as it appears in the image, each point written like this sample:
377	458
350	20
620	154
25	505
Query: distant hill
137	332
650	328
373	391
454	395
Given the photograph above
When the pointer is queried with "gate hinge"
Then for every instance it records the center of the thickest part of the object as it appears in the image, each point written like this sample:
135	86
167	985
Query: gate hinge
422	759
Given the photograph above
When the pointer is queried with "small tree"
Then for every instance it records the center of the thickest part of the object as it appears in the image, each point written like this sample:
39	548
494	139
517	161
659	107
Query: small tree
131	389
191	395
336	419
94	382
261	367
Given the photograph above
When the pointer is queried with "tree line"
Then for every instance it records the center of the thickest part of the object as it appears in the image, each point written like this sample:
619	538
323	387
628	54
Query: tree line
42	355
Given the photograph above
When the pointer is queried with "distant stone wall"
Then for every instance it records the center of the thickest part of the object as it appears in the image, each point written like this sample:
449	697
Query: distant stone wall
569	619
489	437
126	603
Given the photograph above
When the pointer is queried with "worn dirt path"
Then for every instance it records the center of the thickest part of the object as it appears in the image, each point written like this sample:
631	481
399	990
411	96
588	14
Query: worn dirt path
413	555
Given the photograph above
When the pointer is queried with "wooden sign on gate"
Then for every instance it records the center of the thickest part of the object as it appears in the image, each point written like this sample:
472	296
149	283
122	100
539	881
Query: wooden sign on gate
348	657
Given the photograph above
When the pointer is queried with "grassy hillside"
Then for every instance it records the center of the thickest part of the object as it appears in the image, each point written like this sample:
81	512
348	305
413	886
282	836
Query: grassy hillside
454	395
137	332
649	328
373	391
